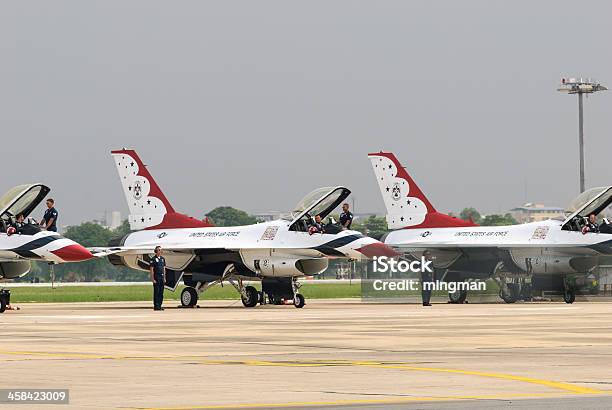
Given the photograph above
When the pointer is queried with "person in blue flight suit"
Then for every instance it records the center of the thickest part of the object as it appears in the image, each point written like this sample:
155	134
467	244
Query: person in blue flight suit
158	277
346	217
49	220
426	277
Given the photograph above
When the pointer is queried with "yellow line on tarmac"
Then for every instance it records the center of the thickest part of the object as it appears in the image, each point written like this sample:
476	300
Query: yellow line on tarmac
556	385
549	383
567	387
395	400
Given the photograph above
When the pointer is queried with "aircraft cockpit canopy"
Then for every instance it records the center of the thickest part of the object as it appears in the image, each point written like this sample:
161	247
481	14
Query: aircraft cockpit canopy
321	201
592	197
22	199
595	201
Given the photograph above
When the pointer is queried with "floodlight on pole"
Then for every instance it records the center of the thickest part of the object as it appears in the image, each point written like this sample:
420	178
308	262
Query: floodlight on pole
580	87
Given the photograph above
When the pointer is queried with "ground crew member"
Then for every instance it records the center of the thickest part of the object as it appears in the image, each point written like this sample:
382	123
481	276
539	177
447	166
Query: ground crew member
426	278
346	217
158	277
49	220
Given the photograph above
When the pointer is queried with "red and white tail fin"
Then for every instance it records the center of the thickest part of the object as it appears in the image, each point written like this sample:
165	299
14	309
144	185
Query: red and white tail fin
407	206
149	207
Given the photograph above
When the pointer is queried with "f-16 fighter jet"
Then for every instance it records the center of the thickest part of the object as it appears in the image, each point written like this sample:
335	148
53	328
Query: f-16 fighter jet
547	250
22	241
277	253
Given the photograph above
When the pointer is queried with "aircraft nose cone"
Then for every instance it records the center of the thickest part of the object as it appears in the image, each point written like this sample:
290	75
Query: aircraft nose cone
377	249
73	253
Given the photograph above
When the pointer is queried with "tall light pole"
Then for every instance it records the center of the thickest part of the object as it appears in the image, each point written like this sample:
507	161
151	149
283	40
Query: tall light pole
580	87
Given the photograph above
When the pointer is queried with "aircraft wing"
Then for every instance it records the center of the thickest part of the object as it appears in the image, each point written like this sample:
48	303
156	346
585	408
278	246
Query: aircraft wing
101	252
343	245
578	250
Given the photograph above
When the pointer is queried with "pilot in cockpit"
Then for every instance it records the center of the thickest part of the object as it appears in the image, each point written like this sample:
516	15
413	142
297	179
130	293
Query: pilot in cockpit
591	225
316	226
19	223
22	226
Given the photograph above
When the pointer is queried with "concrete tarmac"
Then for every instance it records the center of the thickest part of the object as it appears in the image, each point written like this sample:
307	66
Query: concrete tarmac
331	354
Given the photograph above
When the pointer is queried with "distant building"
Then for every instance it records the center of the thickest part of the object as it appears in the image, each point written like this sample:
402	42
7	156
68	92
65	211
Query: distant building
113	220
531	212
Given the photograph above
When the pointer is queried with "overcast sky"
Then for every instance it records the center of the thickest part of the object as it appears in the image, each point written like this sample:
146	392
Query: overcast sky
254	103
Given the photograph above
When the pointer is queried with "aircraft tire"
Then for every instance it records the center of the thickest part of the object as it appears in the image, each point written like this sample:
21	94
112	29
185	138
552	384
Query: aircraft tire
252	297
189	297
457	297
299	301
569	296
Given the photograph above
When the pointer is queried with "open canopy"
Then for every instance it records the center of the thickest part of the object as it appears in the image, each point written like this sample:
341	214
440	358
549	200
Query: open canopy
22	199
592	201
321	201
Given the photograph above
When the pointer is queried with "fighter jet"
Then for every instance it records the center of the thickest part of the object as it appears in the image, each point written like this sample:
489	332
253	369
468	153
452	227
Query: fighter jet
19	246
556	250
201	255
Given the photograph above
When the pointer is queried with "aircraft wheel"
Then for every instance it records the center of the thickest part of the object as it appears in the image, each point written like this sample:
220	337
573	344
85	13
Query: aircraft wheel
189	297
252	297
569	296
458	296
299	301
2	305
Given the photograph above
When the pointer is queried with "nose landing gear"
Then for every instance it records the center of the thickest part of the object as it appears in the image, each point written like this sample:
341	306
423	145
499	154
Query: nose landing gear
299	301
251	297
189	297
191	294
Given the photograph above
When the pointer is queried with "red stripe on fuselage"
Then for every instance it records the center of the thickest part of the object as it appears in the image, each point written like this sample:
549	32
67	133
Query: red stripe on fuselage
440	220
175	220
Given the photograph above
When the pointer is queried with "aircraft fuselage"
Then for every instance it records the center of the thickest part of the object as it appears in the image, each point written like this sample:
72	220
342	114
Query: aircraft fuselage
537	247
